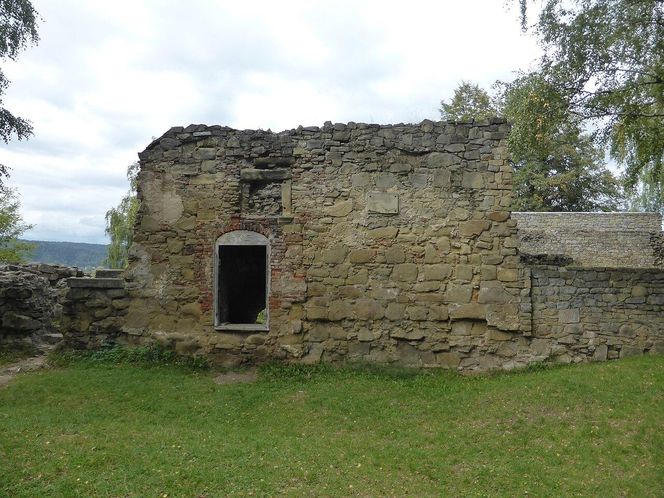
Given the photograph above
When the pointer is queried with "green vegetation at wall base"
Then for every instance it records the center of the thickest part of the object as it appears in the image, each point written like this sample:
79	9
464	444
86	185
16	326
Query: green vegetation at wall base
91	430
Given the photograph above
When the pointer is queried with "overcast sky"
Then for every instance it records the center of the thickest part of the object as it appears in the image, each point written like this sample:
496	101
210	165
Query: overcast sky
107	77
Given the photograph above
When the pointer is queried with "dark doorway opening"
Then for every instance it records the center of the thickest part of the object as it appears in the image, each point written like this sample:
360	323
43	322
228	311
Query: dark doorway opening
242	284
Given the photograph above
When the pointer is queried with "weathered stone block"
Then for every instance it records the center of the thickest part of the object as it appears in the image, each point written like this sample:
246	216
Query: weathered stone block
448	359
441	160
335	254
432	254
405	272
350	291
368	309
417	313
339	310
601	353
322	331
458	293
439	313
385	180
395	254
227	341
473	227
400	168
20	323
493	295
365	335
473	311
508	274
639	291
442	179
96	283
568	316
360	179
343	208
498	216
626	351
383	233
174	245
360	256
265	175
463	273
383	202
395	311
471	179
408	335
440	271
497	335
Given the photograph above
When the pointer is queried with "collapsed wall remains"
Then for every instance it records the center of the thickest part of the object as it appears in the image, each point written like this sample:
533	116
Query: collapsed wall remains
380	243
371	243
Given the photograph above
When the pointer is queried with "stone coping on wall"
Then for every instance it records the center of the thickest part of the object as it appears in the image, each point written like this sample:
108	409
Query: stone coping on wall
96	283
108	273
180	135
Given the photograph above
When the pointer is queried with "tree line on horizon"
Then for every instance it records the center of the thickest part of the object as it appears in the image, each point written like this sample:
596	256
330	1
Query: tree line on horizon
597	92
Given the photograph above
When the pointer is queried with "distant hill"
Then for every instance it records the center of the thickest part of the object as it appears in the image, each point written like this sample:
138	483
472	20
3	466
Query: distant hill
84	256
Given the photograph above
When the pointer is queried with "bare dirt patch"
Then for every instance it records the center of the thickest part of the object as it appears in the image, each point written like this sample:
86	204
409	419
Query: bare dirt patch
31	364
244	377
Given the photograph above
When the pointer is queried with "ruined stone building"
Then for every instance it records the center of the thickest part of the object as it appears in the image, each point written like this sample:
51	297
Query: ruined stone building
379	243
354	242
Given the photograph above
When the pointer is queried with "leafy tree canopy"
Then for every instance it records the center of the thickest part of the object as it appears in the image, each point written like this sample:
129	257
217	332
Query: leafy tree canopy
18	29
120	223
557	166
604	63
470	101
11	228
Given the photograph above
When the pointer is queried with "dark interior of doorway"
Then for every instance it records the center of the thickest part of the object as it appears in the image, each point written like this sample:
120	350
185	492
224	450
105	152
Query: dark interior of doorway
242	290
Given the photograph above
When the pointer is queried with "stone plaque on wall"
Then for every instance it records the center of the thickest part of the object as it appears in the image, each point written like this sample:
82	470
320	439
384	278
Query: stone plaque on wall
383	202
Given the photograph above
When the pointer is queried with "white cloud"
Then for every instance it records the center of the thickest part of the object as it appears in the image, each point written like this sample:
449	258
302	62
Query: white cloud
107	77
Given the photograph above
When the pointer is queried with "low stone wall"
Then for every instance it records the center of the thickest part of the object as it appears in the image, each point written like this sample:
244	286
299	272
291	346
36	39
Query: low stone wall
582	314
31	299
94	310
613	240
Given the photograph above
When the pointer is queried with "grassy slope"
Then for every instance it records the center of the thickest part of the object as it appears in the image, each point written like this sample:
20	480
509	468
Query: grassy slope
592	430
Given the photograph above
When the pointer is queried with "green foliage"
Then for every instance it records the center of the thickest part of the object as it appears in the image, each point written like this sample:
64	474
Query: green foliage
145	356
18	29
647	196
470	101
557	166
120	223
89	430
301	373
604	64
12	226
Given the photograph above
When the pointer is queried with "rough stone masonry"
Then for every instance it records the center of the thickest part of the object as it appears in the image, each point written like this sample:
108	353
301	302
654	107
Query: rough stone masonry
380	243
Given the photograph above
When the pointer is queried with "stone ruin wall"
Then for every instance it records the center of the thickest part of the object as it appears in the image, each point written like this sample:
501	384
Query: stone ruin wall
597	283
388	243
442	277
595	313
94	309
31	304
628	240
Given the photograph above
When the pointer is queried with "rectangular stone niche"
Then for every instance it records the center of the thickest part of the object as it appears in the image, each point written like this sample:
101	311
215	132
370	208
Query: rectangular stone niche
383	202
242	288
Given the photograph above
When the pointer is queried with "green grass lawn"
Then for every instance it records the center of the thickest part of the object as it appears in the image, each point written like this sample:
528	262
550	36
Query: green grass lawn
123	430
